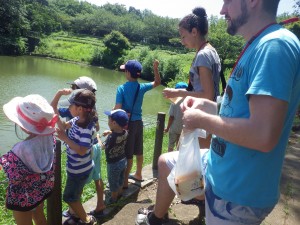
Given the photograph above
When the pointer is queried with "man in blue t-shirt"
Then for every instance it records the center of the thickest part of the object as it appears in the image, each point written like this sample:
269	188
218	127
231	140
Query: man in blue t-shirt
130	98
252	129
256	116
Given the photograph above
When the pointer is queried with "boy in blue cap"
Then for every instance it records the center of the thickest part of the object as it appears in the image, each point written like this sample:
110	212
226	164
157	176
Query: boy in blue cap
174	126
130	98
114	147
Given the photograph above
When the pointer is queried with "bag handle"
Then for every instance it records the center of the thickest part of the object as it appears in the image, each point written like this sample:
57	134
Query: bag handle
134	100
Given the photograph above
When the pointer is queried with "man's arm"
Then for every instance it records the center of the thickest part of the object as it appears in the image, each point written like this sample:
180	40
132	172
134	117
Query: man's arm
260	132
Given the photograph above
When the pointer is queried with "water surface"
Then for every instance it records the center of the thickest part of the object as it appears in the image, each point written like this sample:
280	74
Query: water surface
21	76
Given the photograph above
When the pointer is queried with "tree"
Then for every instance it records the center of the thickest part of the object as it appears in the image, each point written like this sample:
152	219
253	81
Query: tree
116	45
227	46
13	27
297	7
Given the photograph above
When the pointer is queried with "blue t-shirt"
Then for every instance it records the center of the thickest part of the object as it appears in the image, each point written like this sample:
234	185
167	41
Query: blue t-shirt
78	165
270	66
125	96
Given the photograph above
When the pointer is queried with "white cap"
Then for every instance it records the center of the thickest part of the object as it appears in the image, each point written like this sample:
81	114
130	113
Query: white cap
85	83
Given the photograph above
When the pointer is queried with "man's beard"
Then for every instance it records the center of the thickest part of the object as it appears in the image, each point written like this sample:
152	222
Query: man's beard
235	24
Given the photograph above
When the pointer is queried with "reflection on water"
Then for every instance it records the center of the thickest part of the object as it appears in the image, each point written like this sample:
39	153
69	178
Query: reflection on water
25	75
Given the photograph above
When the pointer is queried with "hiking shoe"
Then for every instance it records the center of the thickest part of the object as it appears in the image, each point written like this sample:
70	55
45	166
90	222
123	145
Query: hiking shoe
93	221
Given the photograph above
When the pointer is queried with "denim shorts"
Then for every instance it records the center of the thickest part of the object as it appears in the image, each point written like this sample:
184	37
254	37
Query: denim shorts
74	188
115	174
219	211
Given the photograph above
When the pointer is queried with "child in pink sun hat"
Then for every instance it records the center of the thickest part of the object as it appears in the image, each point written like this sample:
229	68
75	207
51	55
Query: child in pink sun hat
29	165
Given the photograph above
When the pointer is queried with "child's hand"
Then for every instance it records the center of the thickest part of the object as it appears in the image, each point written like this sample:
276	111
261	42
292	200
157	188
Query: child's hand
65	91
155	65
61	134
106	132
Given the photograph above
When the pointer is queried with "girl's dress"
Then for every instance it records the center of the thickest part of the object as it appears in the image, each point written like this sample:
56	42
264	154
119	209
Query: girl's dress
29	167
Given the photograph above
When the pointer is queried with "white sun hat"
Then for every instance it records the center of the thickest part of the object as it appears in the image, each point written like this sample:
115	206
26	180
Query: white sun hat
32	113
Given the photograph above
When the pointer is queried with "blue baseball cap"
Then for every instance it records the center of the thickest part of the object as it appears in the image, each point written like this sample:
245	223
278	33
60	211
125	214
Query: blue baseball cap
181	85
134	67
118	115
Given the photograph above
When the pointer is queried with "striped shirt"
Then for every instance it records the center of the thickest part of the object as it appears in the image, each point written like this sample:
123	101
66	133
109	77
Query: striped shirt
79	165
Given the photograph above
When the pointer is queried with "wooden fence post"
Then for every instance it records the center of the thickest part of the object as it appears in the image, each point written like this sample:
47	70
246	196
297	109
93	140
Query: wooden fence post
54	204
160	126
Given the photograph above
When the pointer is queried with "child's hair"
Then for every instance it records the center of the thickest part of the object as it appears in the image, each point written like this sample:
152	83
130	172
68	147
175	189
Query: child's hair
87	100
197	19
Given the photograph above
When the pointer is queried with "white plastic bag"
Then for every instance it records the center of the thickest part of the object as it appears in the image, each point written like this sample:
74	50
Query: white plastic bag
186	178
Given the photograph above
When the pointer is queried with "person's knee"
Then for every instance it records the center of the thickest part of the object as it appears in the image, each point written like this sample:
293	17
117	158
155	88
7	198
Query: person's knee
163	169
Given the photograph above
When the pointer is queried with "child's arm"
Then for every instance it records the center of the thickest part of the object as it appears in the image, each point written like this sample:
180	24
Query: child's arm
170	121
80	150
100	142
157	79
106	132
54	103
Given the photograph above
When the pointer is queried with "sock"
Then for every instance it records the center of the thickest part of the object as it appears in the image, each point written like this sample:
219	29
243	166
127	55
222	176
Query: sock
153	220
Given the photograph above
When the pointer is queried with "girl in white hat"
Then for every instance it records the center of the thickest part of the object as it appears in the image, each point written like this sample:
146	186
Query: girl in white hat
29	165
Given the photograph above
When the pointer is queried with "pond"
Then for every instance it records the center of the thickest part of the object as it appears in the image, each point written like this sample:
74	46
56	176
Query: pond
21	76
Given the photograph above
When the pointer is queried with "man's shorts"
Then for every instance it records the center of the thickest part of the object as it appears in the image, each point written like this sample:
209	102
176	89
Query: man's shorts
134	145
173	139
219	211
74	187
96	172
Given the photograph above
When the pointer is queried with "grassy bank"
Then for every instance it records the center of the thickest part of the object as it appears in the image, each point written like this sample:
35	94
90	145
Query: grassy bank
174	65
71	48
89	190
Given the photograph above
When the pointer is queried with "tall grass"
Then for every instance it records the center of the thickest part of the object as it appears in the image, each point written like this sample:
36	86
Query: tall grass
89	190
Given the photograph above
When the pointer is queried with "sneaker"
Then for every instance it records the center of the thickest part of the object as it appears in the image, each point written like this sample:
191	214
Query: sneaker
67	213
93	221
194	201
149	209
97	214
70	221
142	219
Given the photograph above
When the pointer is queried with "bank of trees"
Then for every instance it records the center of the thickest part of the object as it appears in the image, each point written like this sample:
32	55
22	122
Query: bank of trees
24	22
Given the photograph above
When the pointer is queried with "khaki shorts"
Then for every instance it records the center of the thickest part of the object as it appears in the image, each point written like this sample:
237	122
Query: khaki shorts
173	139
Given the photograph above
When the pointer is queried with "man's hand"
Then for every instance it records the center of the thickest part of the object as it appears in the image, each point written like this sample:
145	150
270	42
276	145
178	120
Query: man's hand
195	110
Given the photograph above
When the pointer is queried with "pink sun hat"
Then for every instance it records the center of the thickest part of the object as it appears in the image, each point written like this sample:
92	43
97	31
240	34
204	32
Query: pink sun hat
32	113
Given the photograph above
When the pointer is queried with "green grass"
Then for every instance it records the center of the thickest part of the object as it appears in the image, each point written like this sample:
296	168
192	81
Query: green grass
72	48
89	190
